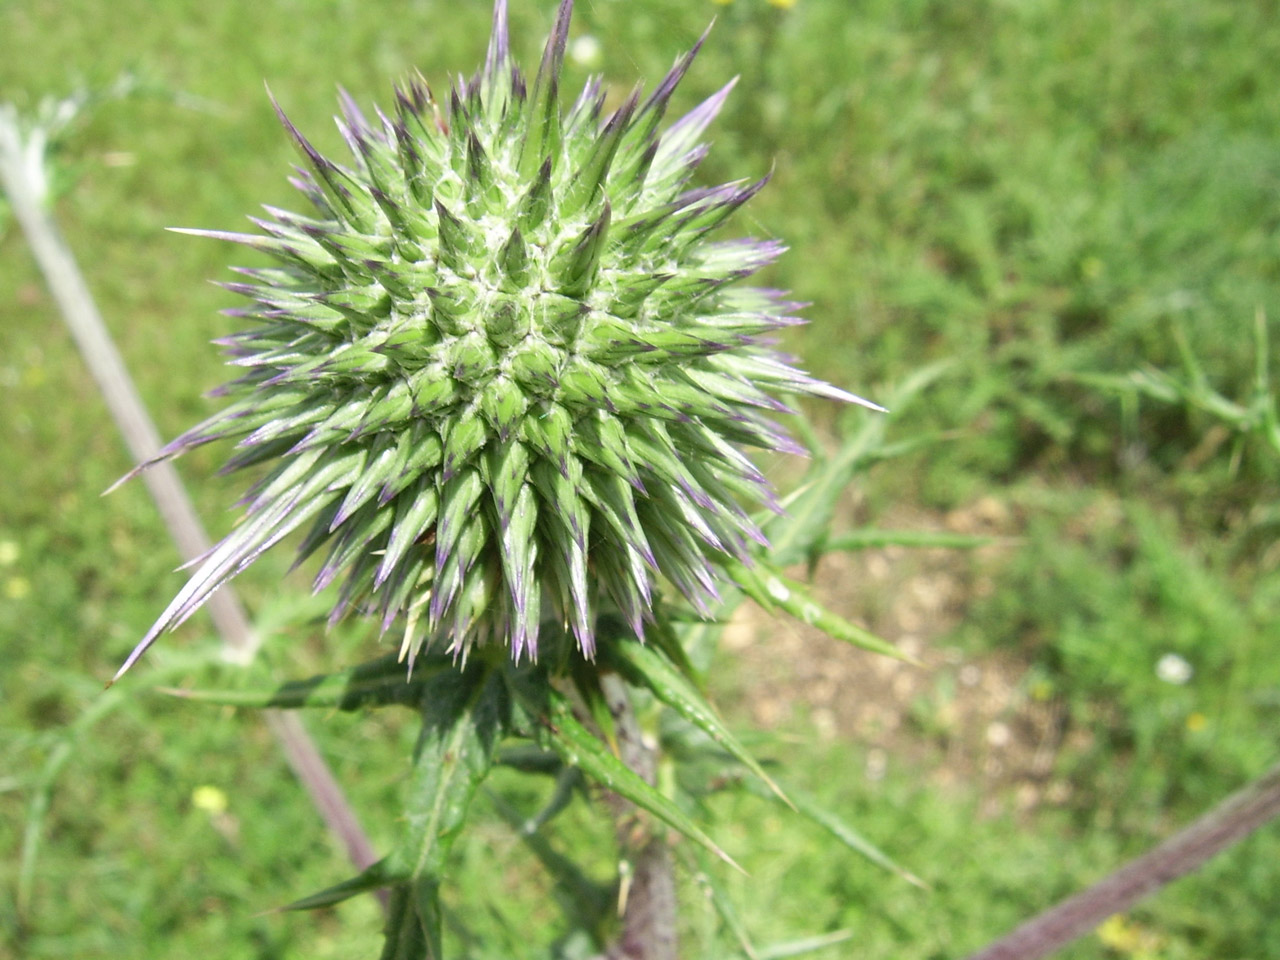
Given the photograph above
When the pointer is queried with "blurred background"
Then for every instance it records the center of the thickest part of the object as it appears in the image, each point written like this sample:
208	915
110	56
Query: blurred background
1075	205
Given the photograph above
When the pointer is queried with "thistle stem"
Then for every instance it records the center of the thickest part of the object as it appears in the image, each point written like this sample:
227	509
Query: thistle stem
1226	824
649	907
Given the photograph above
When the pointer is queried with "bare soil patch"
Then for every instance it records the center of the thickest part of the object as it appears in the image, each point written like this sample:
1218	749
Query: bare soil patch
966	719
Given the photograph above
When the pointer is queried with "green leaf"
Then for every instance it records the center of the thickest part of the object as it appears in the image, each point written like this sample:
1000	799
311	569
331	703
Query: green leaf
586	680
375	877
810	510
414	922
530	758
870	538
641	666
723	906
771	589
664	637
379	683
550	430
465	715
795	948
811	810
576	744
569	783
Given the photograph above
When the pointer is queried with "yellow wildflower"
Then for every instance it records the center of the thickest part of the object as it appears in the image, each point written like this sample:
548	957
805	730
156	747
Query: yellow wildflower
212	800
16	588
1123	936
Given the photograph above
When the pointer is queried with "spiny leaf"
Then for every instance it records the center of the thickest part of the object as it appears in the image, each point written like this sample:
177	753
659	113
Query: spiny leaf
643	667
586	681
771	589
810	809
414	924
375	877
377	684
565	734
465	715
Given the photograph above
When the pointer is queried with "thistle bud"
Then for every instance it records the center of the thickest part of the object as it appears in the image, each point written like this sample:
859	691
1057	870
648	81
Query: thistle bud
501	372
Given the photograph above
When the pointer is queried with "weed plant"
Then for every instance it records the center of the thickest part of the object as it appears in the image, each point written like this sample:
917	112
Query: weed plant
1040	193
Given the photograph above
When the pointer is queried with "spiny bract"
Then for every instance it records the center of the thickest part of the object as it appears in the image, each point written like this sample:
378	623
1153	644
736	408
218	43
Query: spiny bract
501	370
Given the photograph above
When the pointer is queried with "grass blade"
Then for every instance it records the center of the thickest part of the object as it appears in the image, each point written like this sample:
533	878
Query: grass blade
796	948
584	902
809	510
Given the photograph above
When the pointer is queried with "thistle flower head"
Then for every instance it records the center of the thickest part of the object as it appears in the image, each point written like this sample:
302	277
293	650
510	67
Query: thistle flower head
501	371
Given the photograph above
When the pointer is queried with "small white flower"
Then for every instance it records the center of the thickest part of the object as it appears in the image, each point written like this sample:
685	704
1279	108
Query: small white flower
586	52
1172	668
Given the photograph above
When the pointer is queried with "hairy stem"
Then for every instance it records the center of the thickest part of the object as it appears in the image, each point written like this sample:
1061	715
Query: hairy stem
649	892
1226	824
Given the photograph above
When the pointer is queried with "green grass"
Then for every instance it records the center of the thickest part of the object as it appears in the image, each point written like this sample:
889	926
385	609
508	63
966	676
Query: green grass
1043	192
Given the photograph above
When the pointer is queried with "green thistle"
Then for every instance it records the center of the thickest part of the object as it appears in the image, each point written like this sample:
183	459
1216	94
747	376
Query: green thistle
501	371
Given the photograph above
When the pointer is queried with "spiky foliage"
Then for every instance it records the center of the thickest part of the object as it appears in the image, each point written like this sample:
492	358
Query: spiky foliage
501	370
